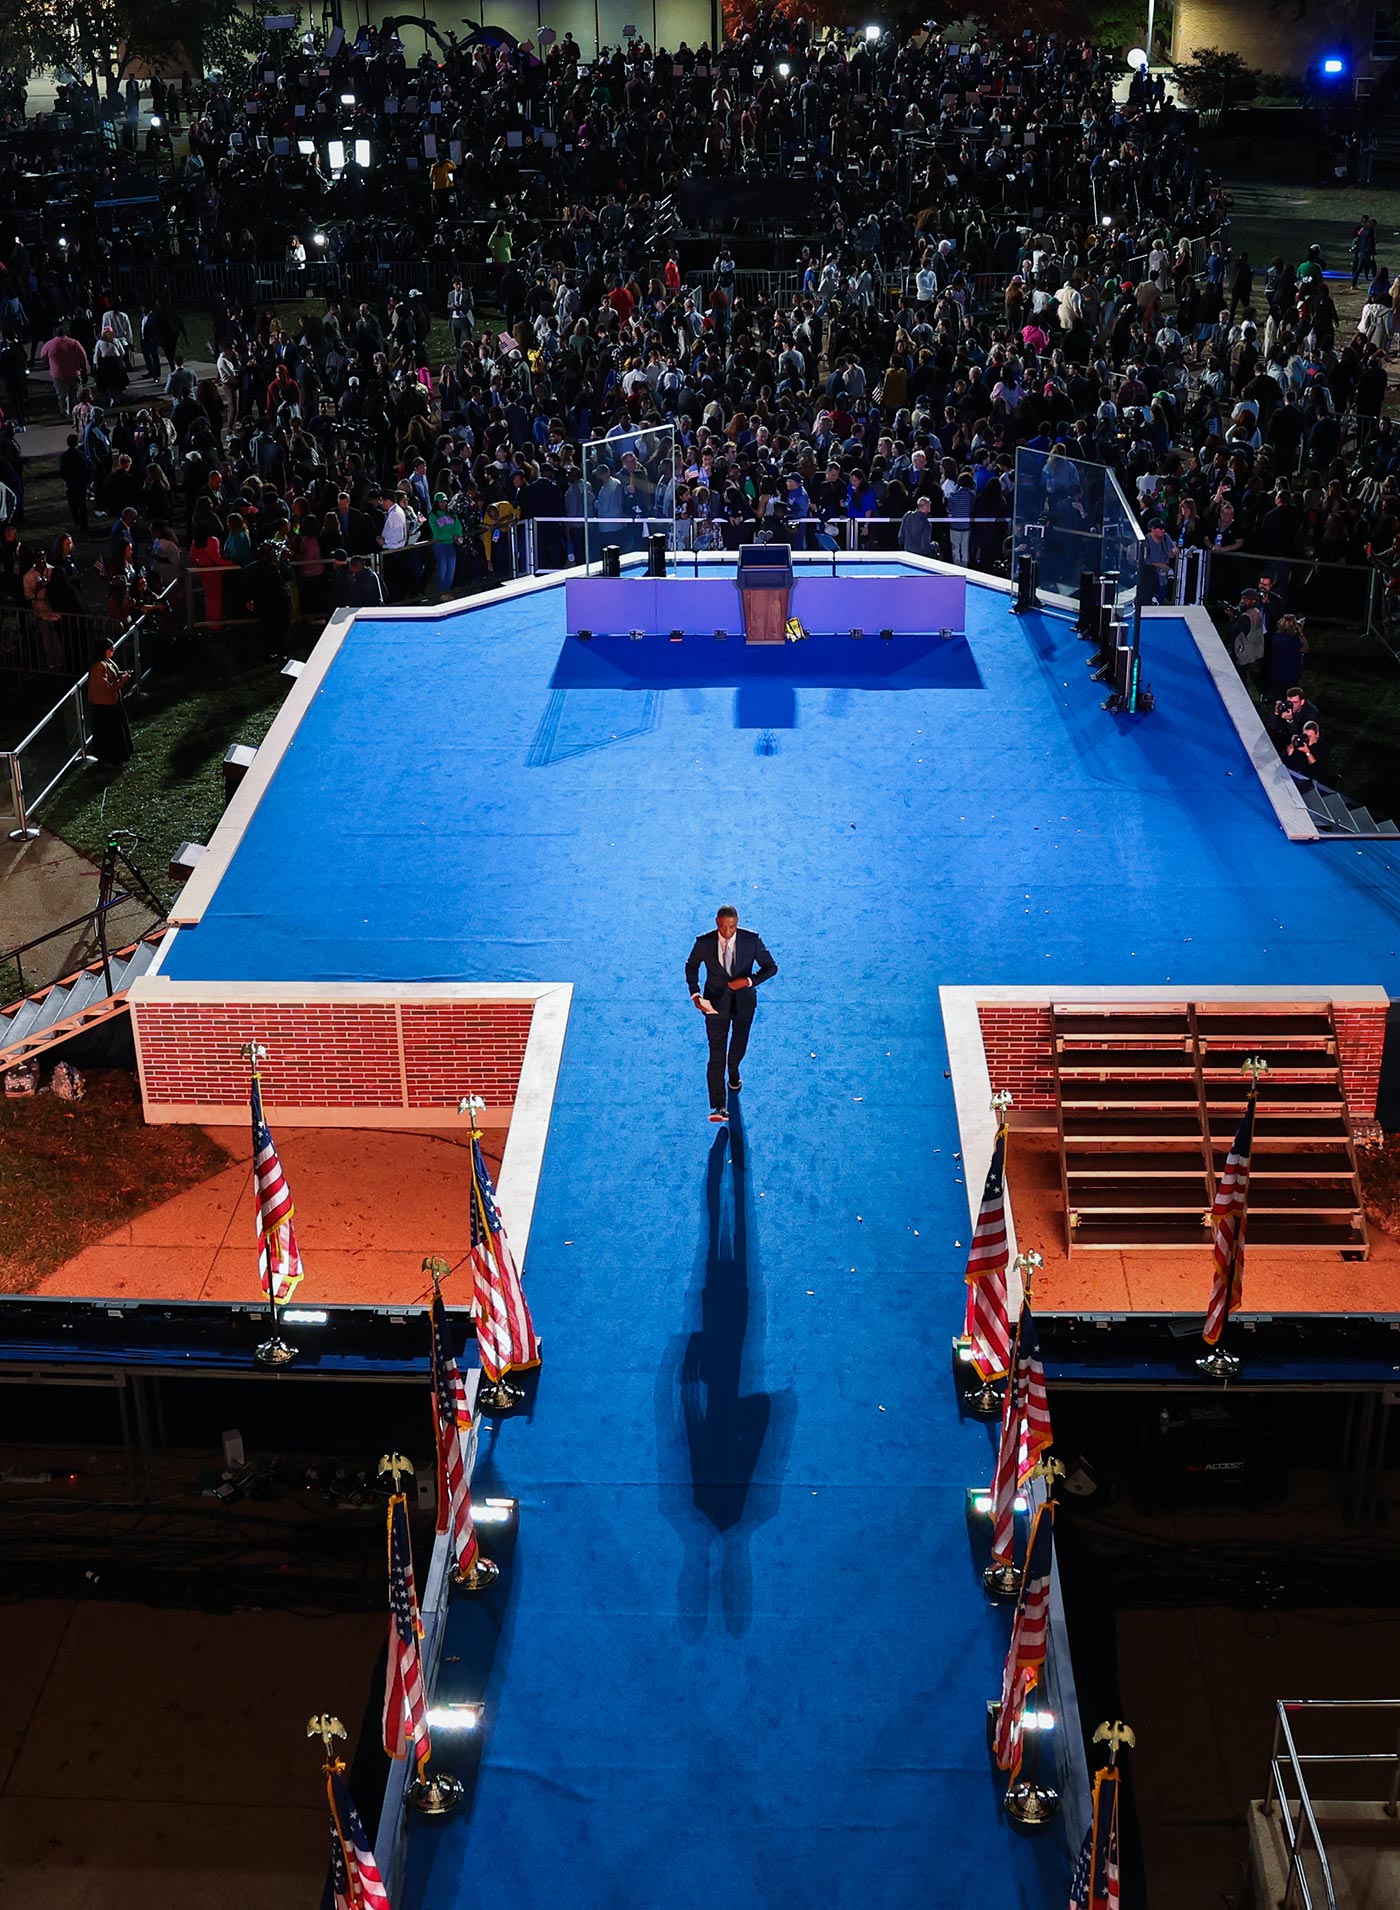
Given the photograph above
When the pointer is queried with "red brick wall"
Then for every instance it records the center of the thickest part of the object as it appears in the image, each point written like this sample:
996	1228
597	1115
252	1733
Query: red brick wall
333	1054
452	1048
1360	1038
1017	1038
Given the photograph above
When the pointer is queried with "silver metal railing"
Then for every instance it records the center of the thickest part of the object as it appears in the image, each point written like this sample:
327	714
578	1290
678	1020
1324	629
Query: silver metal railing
33	769
1310	1880
576	540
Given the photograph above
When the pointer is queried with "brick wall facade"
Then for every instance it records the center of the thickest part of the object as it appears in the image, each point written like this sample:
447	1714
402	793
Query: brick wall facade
398	1058
1360	1039
1018	1038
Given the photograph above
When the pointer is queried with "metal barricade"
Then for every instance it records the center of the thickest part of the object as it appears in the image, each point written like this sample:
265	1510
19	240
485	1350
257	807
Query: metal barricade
59	741
1311	1883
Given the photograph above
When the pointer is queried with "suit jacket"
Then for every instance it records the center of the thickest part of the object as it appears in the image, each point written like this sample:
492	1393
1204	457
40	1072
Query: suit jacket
751	958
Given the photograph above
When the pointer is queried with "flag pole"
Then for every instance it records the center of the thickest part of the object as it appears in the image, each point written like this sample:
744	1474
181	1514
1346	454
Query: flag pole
1218	1363
985	1399
274	1350
481	1572
496	1396
433	1793
1002	1578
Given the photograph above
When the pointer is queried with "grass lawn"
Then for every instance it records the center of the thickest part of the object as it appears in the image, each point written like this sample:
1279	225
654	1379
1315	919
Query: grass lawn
72	1171
172	789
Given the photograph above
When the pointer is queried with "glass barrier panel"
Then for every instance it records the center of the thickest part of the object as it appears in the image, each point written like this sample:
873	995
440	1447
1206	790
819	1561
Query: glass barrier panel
627	489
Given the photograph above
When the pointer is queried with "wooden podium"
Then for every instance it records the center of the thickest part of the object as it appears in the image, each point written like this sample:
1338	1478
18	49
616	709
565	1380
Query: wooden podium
765	585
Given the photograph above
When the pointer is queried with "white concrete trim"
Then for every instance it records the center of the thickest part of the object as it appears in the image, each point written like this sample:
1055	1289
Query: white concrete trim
198	892
523	1160
150	989
1040	994
972	1097
1282	792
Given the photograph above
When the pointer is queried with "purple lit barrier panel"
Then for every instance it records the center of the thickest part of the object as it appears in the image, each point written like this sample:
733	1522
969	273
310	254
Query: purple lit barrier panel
909	606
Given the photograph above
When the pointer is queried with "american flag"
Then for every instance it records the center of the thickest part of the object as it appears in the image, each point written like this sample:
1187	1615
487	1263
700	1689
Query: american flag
452	1424
1029	1636
505	1332
1037	1434
355	1879
1228	1217
1094	1885
279	1259
1025	1435
988	1324
405	1698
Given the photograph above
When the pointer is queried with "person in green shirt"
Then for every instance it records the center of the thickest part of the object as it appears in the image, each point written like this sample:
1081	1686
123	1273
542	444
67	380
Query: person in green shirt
446	533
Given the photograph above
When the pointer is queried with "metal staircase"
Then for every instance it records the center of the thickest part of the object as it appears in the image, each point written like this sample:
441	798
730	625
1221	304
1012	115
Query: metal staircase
1336	815
1149	1099
81	1000
96	990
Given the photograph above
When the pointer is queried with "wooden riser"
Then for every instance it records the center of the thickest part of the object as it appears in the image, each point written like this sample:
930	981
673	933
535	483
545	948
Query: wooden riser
1166	1236
1148	1105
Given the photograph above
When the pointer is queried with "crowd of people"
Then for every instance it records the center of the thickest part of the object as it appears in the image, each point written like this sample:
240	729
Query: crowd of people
1017	252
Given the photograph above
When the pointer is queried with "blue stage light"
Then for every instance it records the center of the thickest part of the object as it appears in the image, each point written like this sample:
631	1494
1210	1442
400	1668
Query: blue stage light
1334	66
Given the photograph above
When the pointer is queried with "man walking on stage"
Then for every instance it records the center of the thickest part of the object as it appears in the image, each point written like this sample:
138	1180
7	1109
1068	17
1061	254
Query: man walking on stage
735	963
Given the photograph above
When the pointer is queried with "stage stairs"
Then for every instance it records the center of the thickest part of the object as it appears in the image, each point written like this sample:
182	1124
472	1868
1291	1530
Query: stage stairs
91	994
1149	1098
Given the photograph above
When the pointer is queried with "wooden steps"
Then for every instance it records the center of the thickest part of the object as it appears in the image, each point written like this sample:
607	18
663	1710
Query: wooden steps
1149	1099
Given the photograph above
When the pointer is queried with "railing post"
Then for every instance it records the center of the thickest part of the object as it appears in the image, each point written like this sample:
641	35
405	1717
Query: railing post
77	695
24	830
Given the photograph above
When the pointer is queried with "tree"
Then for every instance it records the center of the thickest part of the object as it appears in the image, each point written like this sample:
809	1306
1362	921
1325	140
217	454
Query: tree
1212	79
90	37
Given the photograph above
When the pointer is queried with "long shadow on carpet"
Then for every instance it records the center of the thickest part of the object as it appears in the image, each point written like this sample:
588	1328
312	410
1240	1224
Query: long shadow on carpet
706	1420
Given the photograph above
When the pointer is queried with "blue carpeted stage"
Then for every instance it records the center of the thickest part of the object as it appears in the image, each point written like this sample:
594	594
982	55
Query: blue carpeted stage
744	1653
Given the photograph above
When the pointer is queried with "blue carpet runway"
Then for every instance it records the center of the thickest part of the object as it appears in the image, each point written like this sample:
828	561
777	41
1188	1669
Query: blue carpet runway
744	1649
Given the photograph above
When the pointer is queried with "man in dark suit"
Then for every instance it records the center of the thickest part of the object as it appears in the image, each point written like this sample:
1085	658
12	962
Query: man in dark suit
735	962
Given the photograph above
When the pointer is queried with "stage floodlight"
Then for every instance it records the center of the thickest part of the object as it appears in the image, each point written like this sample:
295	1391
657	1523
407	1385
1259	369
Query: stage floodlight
887	636
493	1511
1137	59
856	635
783	69
318	238
677	636
1334	66
636	635
585	636
456	1717
979	1502
721	636
872	33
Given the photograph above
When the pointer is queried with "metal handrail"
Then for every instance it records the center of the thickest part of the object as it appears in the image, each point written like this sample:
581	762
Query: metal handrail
23	803
1294	1761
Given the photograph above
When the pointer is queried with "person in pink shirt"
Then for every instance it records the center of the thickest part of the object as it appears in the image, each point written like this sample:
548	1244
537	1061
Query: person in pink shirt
68	366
